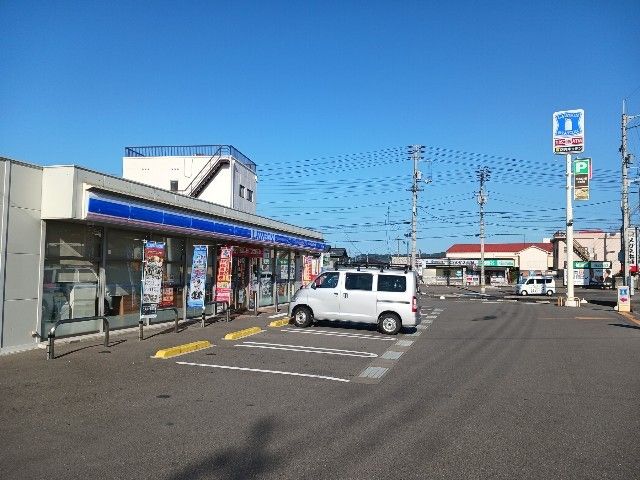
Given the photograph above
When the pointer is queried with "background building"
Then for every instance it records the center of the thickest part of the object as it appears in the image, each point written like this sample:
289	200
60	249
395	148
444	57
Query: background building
218	174
504	263
595	255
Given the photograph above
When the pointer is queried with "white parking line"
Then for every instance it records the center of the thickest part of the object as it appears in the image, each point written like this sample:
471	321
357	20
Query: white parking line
336	334
278	315
305	349
259	370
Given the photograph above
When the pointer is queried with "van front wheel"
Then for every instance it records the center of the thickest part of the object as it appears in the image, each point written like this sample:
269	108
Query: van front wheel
302	317
389	323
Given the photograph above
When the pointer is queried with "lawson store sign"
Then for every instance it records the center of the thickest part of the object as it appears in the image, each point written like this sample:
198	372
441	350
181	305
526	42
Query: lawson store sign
101	207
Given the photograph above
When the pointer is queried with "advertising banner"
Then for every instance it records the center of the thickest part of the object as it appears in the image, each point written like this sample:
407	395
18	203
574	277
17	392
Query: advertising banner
198	281
251	252
568	131
581	176
153	261
223	279
307	270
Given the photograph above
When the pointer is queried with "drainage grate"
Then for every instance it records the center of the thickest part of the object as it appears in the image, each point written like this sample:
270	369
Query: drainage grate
373	372
391	355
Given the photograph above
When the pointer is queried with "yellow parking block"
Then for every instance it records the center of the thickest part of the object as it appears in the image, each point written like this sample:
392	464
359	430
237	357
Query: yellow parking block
180	349
279	323
242	333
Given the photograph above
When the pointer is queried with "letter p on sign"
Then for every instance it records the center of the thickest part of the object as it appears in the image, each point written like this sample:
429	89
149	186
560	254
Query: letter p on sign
581	166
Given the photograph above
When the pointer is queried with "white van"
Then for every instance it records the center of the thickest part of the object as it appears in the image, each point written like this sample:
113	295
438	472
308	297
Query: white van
382	296
536	285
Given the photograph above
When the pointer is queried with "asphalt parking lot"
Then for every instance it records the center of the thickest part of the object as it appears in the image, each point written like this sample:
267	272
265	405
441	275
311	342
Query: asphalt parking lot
259	406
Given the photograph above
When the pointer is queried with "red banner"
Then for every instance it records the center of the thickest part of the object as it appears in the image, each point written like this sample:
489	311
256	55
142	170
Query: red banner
223	279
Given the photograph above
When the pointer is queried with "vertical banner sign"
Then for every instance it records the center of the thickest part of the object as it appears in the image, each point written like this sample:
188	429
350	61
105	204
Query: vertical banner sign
198	281
152	278
568	132
223	279
631	235
307	272
581	171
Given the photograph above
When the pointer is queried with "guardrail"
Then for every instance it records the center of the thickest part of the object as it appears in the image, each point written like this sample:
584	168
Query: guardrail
51	338
215	310
164	309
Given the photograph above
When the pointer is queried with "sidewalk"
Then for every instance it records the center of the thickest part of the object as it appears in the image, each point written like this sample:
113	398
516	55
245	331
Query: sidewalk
160	335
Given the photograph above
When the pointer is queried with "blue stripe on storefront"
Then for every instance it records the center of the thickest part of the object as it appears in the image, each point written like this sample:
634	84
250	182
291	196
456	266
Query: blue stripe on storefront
134	213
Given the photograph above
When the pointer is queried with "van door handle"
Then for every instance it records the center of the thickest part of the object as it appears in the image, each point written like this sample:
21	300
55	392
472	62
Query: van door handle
335	293
346	295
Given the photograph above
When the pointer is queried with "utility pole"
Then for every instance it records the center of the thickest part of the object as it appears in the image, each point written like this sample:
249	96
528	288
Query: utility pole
398	239
626	212
415	151
483	175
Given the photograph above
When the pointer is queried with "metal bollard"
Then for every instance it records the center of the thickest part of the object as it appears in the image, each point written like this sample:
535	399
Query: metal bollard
255	303
140	331
276	299
106	333
203	318
50	352
176	327
227	311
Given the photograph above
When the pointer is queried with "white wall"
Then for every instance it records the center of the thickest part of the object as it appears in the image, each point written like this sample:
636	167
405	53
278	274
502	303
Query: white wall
223	189
534	258
20	254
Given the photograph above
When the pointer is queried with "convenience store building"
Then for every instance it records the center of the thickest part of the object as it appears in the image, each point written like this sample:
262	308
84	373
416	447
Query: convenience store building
72	241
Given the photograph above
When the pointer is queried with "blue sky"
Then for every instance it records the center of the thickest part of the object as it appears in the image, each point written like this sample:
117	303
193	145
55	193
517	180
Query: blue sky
325	97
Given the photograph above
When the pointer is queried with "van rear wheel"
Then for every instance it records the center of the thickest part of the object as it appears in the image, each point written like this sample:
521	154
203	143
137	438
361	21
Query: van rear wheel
389	323
549	293
302	317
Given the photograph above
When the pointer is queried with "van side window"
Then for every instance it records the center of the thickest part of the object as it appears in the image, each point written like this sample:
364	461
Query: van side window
327	280
392	283
358	281
539	281
530	281
547	280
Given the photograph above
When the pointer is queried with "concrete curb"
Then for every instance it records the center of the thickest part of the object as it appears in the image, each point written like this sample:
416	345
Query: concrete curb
181	349
279	323
242	333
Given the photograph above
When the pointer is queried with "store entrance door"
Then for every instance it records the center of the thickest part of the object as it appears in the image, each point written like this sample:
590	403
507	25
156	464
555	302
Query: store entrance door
240	283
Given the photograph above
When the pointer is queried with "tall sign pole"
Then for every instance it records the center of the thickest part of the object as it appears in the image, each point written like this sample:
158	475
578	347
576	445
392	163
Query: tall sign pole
628	232
569	235
568	138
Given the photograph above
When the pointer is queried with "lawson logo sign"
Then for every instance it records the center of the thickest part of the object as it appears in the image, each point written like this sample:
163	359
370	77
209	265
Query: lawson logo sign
261	236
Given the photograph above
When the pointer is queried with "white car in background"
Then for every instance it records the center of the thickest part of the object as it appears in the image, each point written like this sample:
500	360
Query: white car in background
536	285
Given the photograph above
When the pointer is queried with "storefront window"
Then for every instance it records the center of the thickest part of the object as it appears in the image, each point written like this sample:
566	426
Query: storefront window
283	275
70	281
123	275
